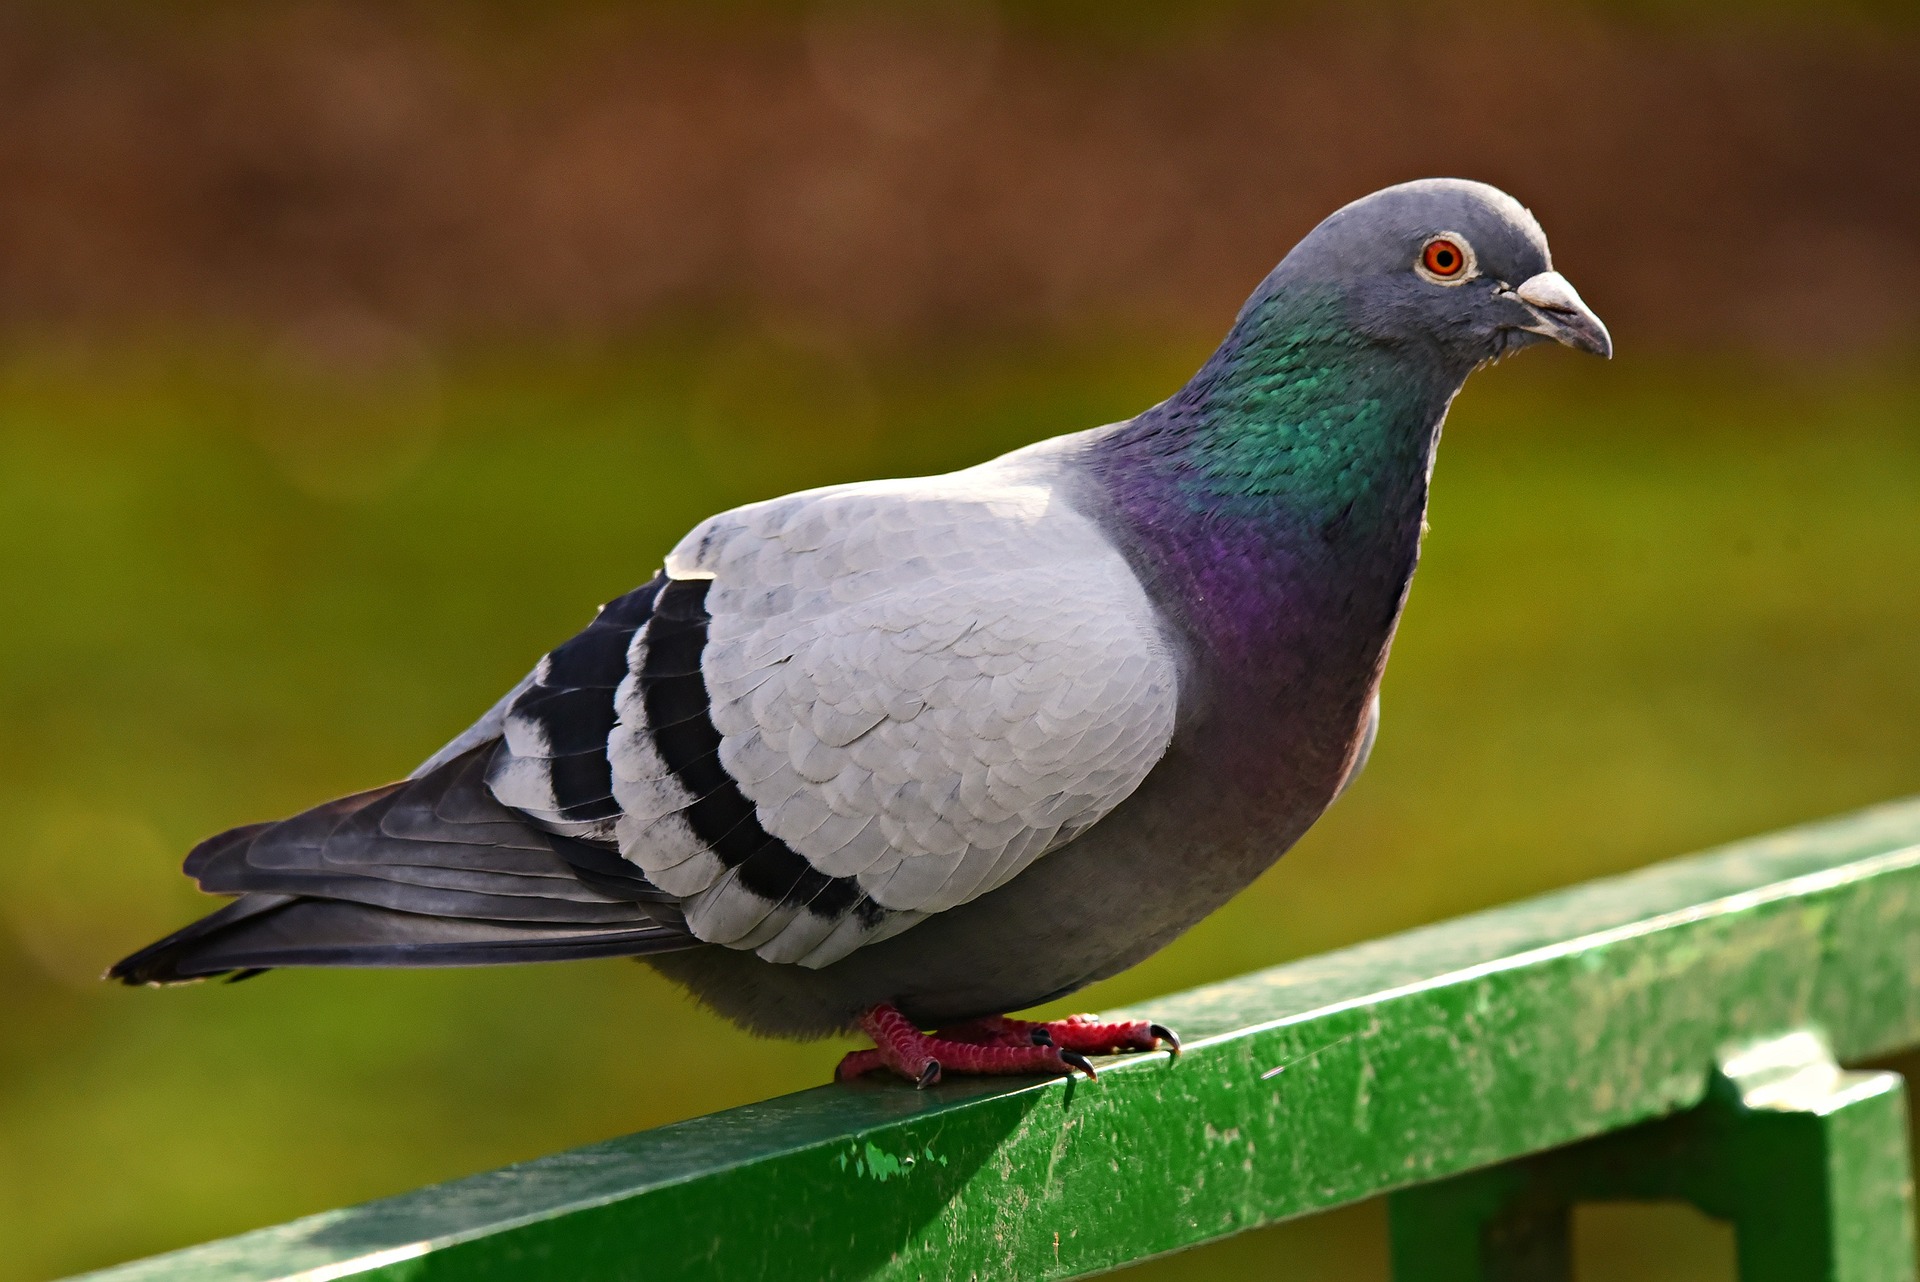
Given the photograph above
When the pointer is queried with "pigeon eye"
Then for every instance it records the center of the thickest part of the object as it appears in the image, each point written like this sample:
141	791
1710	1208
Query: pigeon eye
1444	260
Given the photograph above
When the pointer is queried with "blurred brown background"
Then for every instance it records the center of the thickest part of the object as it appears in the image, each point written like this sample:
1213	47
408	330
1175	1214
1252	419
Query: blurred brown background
1732	177
350	353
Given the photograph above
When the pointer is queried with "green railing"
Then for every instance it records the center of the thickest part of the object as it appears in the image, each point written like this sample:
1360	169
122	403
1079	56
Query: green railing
1674	1033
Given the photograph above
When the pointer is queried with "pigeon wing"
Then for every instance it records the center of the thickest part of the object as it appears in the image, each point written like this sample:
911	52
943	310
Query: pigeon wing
851	708
834	714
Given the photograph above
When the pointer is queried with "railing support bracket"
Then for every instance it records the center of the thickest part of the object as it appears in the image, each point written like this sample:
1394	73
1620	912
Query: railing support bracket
1807	1160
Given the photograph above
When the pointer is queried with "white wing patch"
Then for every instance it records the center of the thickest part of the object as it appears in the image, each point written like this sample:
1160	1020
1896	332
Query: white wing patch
923	685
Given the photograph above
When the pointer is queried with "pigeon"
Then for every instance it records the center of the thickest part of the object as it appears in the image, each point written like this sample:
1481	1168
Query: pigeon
904	756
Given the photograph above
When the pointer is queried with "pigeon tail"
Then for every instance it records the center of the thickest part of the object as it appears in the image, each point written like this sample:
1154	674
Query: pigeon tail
170	960
432	871
262	932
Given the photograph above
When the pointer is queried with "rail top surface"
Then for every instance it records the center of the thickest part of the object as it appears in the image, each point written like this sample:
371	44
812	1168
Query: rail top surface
1303	1087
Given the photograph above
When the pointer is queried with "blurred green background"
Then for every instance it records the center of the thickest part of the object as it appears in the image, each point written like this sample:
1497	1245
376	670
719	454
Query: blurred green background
352	355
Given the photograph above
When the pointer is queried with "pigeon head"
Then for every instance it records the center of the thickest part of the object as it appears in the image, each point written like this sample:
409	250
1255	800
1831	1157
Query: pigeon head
1292	468
1446	263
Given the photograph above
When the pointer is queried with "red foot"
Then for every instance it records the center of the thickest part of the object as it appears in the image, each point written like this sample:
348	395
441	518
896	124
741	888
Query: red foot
1091	1035
994	1045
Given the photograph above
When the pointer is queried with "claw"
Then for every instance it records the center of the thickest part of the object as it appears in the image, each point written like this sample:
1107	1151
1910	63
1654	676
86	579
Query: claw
1079	1061
1039	1035
1161	1033
929	1076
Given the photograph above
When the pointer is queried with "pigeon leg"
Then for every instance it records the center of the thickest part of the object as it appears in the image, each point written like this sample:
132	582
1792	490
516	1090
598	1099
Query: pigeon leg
921	1059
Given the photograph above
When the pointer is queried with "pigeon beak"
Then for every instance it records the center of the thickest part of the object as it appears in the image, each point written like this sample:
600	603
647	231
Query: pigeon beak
1560	314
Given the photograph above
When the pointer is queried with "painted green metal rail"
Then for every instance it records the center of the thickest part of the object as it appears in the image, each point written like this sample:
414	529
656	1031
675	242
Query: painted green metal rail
1668	1034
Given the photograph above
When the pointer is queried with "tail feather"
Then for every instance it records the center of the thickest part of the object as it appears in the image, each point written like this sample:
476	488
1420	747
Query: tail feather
263	932
159	962
429	872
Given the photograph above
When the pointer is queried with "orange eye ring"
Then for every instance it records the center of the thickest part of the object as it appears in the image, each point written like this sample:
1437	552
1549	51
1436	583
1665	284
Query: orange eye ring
1443	259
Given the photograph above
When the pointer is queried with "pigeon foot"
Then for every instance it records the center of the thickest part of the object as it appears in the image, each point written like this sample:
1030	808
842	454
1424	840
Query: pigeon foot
995	1045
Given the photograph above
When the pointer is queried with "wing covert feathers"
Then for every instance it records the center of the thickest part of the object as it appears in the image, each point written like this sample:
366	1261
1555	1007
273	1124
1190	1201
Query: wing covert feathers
916	687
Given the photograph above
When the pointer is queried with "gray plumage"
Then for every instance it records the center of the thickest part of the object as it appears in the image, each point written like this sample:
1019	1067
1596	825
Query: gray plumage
962	744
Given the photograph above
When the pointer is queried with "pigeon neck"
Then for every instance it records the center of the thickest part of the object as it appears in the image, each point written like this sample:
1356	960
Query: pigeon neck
1277	499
